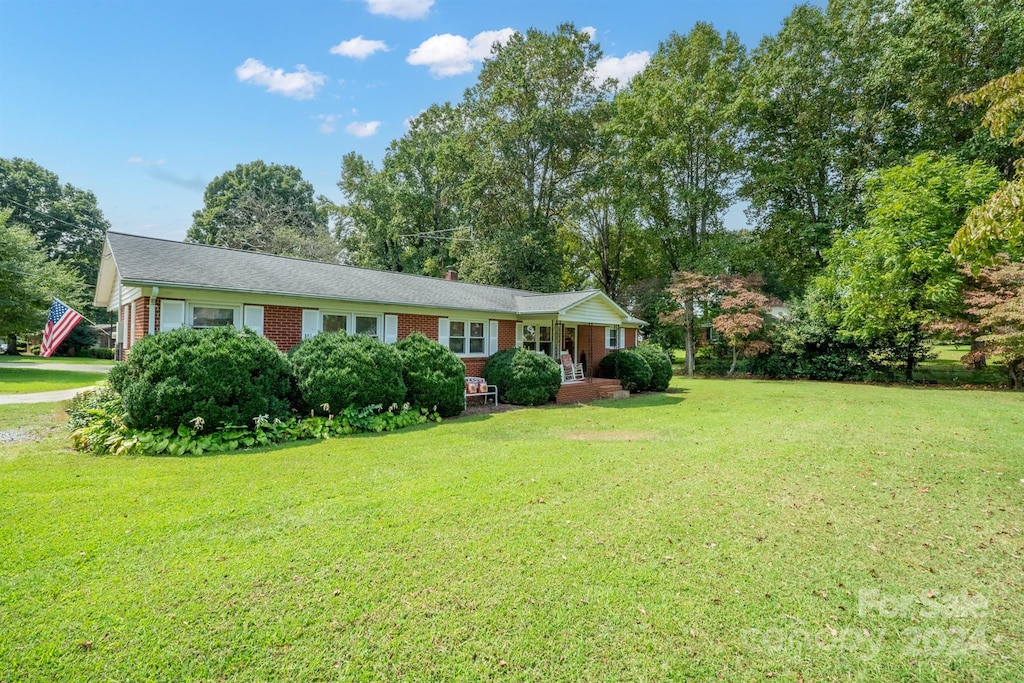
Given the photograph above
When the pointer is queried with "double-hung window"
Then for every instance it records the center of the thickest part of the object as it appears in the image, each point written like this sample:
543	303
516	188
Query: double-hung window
368	325
467	337
538	338
613	334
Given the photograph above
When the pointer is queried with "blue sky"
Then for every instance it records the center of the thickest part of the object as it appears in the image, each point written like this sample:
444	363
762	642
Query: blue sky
145	101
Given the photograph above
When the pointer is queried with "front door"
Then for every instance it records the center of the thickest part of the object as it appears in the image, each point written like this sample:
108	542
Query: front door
569	343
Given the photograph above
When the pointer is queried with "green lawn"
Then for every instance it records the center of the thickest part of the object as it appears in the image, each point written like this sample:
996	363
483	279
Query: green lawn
31	380
734	530
55	359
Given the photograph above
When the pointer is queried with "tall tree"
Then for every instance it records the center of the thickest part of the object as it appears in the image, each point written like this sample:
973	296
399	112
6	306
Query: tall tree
680	116
404	216
66	221
29	279
888	280
609	246
530	125
998	223
861	86
264	207
792	115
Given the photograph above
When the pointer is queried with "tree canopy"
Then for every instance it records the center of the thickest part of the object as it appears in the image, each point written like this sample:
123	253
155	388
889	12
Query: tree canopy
66	221
887	280
29	279
264	207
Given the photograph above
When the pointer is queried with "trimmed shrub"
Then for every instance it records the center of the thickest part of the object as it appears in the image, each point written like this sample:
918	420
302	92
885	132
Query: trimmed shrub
629	367
523	377
223	375
433	375
347	371
660	363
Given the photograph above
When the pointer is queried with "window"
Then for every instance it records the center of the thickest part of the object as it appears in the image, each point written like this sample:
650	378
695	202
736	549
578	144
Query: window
335	323
544	341
477	343
538	338
367	325
212	316
467	337
457	336
613	337
348	323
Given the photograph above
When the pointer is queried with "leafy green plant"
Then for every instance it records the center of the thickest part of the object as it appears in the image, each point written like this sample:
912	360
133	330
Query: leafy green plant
660	364
223	375
98	426
340	371
523	377
629	367
97	420
433	375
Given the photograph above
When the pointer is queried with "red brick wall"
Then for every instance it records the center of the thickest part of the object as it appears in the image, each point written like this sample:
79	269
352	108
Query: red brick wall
506	334
591	342
141	318
283	325
630	334
410	322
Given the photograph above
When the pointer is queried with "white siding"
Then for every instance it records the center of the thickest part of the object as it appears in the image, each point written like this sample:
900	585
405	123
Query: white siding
596	311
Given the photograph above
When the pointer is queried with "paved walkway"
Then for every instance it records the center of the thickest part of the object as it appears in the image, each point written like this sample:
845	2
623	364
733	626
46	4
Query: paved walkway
42	396
74	367
50	396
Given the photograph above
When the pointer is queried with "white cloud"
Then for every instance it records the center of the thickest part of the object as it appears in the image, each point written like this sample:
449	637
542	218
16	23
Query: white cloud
362	129
623	69
402	9
449	55
359	48
301	84
328	122
146	162
590	31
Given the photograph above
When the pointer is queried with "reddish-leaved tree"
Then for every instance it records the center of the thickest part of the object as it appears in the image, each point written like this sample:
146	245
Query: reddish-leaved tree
742	317
998	304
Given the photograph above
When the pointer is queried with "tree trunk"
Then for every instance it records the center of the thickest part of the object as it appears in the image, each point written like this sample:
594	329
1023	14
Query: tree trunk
689	337
12	345
909	368
1015	368
732	368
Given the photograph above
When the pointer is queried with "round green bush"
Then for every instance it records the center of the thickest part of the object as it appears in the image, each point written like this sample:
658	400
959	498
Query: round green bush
223	375
661	365
523	377
629	367
433	375
347	371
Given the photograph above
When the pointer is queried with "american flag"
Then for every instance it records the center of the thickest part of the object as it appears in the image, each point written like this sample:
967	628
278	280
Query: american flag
62	320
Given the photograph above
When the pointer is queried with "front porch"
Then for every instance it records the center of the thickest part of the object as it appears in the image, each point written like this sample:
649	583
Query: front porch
590	389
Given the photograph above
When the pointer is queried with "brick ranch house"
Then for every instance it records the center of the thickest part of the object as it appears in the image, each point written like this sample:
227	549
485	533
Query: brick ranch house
156	285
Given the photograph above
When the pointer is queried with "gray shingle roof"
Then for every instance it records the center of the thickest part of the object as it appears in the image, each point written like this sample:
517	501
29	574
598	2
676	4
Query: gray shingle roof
147	261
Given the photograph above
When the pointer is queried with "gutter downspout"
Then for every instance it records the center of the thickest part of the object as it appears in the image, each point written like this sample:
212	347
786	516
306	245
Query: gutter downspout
151	313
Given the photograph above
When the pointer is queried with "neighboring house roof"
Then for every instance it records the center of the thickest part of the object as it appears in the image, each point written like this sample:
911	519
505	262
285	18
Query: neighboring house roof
148	261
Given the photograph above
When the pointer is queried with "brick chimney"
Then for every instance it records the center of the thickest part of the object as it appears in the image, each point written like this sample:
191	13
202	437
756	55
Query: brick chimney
451	275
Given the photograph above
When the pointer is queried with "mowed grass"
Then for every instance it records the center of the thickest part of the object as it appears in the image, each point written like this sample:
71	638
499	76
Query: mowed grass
728	529
62	360
30	380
